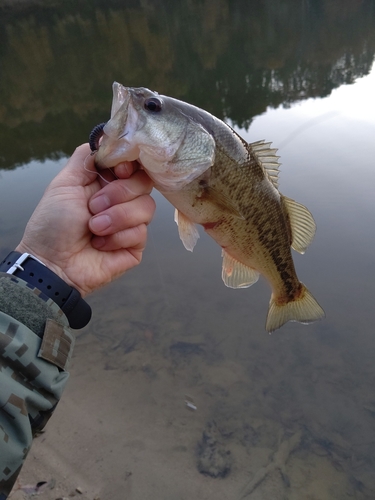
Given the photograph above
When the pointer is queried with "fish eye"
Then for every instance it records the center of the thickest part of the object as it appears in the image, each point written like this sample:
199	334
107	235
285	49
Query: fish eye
153	104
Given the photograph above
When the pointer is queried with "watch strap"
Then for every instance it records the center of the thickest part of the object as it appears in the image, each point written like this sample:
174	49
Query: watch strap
33	271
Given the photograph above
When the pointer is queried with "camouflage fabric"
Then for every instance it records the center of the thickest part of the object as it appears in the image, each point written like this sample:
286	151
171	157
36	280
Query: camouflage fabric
33	364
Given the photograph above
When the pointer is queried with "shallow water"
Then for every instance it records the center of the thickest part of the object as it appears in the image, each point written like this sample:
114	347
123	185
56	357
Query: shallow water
288	415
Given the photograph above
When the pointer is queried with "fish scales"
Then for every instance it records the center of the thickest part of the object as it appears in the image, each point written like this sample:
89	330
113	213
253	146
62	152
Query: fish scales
214	178
258	240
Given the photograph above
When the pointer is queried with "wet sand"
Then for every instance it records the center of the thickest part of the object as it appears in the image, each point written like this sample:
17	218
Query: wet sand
267	416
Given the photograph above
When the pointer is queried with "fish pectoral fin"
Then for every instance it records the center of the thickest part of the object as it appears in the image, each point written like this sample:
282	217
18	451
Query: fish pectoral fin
222	201
303	309
237	275
302	224
187	230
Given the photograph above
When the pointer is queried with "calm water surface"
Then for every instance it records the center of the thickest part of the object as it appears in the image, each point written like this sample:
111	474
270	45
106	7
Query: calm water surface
284	416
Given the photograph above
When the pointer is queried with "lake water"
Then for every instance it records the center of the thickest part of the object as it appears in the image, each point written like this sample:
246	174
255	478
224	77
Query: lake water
284	416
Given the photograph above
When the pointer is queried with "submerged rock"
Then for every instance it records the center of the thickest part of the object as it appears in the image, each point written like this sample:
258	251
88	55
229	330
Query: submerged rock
213	458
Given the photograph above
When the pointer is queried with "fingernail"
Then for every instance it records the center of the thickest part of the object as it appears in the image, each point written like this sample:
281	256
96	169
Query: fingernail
99	204
100	223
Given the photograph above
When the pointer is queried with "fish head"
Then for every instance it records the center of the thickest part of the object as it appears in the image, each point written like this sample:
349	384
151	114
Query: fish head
164	135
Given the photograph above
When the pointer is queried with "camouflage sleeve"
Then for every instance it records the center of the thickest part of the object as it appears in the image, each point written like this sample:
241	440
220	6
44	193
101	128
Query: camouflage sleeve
36	344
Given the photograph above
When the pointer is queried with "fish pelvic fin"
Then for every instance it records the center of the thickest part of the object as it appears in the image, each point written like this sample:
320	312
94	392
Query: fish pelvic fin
187	230
305	309
302	224
237	275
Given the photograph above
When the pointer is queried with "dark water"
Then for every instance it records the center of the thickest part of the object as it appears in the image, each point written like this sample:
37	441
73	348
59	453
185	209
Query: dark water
291	415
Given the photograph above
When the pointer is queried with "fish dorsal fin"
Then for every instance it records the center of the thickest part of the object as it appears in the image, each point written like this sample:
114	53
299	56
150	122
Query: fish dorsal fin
187	230
237	275
302	224
268	159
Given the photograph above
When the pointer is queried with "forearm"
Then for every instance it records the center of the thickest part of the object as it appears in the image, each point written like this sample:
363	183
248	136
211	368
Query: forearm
35	348
87	231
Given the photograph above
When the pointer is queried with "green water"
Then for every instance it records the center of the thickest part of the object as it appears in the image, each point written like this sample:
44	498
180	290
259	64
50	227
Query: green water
297	408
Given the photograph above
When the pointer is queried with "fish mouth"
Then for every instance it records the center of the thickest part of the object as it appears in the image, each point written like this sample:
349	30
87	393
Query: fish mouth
112	142
121	99
97	133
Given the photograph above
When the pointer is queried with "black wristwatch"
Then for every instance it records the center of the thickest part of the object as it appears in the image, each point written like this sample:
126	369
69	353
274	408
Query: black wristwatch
33	271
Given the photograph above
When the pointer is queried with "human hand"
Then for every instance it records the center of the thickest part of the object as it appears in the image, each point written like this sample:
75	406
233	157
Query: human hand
87	231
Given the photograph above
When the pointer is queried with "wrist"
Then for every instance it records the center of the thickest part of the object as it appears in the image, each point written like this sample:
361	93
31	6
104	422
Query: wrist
22	248
58	270
33	271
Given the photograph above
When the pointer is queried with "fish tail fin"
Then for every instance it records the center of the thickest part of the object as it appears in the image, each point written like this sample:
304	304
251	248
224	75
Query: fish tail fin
304	309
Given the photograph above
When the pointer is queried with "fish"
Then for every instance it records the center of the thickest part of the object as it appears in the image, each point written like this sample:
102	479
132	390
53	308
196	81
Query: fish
214	178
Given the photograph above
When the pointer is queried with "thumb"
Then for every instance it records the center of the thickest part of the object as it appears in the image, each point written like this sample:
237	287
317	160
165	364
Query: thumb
80	169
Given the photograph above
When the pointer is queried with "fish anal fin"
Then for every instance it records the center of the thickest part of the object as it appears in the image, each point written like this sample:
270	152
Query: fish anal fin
187	230
237	275
303	309
302	224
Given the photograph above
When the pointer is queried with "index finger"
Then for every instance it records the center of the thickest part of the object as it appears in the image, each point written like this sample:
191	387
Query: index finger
79	170
120	191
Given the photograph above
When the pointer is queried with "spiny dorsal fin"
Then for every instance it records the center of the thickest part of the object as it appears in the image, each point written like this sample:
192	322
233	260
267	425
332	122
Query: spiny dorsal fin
268	159
237	275
302	224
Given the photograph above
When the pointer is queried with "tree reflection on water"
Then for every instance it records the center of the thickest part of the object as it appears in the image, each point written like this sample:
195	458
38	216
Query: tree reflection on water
58	60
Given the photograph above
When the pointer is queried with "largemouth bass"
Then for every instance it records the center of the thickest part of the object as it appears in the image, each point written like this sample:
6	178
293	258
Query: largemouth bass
215	178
